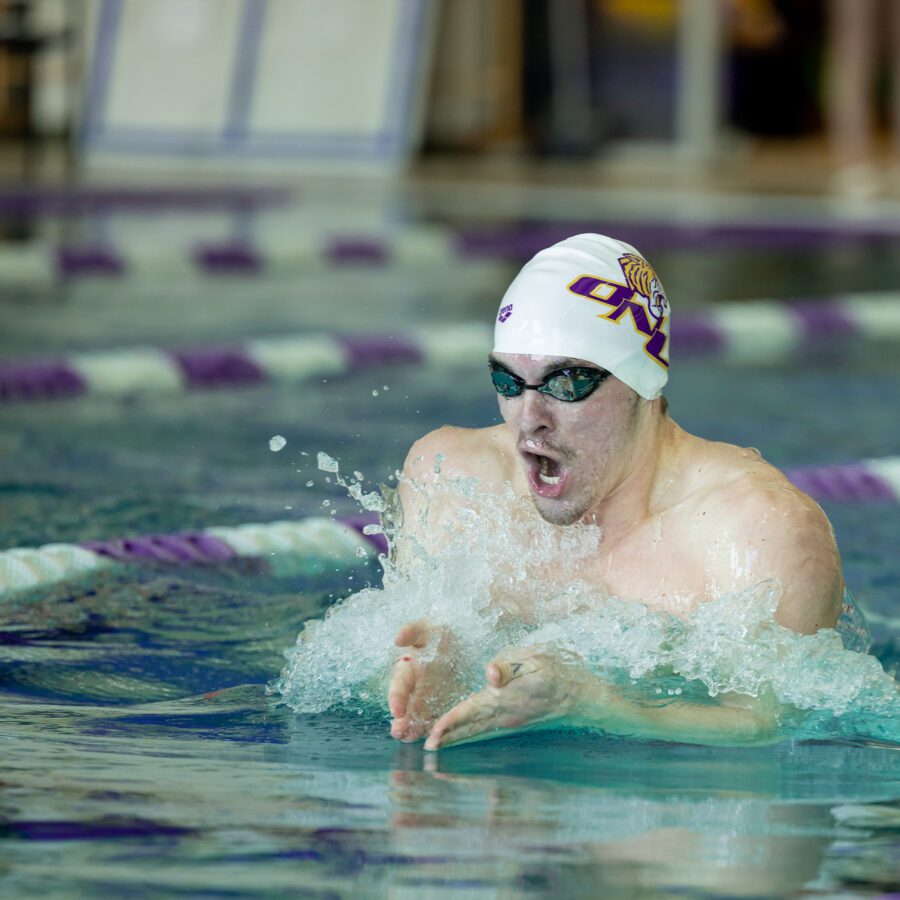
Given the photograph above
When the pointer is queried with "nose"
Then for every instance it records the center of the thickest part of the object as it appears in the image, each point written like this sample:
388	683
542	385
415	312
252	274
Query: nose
534	412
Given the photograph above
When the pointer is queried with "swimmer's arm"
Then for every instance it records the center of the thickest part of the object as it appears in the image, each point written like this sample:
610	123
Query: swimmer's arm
775	532
421	510
531	688
809	568
431	495
778	533
730	719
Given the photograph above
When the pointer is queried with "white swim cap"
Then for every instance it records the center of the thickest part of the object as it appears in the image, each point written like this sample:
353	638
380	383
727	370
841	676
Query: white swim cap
594	298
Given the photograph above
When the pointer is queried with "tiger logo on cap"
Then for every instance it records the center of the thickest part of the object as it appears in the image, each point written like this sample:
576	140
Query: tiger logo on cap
641	299
641	278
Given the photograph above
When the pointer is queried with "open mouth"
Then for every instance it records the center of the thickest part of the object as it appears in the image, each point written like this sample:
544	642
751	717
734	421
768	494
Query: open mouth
548	470
546	476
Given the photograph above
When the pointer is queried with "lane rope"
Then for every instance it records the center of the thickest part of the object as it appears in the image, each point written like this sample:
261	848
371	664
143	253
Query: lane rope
283	548
294	547
752	332
268	251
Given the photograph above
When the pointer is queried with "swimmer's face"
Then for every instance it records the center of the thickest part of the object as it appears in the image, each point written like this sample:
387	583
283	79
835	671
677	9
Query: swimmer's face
573	454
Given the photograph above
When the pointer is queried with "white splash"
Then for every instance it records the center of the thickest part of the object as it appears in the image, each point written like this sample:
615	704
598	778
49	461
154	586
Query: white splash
517	583
277	442
326	463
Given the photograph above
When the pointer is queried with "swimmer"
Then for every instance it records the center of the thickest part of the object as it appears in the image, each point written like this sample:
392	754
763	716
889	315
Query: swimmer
579	363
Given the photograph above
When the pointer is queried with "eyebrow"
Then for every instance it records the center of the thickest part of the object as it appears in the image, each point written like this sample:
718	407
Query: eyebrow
554	365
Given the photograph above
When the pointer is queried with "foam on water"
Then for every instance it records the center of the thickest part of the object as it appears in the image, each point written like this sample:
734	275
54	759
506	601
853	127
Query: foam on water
493	594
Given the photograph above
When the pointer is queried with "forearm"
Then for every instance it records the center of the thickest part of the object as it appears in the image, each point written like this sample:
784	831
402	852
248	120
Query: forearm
730	720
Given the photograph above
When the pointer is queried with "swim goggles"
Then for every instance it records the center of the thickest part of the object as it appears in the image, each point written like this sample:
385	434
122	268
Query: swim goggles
570	385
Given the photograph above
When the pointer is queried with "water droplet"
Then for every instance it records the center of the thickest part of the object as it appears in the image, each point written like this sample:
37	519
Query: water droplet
326	463
289	507
277	442
374	393
326	503
309	483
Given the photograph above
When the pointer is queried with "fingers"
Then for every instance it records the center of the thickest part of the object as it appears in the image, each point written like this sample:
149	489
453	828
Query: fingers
408	729
478	721
490	712
500	672
403	681
448	722
414	634
470	716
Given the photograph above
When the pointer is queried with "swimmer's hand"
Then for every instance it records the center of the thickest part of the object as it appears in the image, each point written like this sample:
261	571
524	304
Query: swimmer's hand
425	679
531	688
527	688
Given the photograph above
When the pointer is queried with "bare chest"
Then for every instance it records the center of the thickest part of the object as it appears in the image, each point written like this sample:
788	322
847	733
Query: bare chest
654	564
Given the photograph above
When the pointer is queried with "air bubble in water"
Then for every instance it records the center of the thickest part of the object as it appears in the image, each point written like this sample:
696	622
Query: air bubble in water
374	393
277	442
310	483
372	529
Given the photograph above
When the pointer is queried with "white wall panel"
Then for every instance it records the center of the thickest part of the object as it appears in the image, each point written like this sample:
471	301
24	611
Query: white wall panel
173	61
324	65
251	81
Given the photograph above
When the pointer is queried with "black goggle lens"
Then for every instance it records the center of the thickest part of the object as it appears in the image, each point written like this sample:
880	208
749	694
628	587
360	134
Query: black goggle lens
568	385
506	384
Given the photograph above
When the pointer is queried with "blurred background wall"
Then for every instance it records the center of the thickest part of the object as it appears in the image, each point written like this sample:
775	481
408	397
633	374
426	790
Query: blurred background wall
289	85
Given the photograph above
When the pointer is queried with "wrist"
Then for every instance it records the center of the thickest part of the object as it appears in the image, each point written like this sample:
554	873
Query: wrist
588	697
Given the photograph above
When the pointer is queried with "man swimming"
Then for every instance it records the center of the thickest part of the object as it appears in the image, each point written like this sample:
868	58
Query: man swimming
579	362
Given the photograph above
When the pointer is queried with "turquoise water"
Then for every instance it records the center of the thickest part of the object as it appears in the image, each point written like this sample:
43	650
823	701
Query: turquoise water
143	756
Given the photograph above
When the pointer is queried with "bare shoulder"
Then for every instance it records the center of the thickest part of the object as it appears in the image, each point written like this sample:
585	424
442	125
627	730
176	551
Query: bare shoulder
758	525
450	452
430	498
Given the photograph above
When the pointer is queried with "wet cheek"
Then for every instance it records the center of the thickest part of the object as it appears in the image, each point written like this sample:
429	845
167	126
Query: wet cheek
598	446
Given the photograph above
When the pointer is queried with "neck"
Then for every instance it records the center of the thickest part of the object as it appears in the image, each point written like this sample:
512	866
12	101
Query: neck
634	494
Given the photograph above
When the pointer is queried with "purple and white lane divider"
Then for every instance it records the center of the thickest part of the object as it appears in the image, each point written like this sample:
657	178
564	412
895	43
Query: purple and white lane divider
283	548
44	265
148	370
294	547
415	244
748	332
866	481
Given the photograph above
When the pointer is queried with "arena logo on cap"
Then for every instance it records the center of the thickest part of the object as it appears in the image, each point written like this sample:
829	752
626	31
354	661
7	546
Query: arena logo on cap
641	295
505	313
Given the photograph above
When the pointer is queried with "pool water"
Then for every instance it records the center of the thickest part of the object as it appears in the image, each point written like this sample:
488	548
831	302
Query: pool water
143	756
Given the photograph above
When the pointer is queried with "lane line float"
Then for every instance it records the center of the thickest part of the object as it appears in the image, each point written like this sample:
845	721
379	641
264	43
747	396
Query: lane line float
294	547
745	333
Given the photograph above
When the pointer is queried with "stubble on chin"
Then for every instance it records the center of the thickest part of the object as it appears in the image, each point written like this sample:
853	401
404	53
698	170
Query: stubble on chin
558	513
